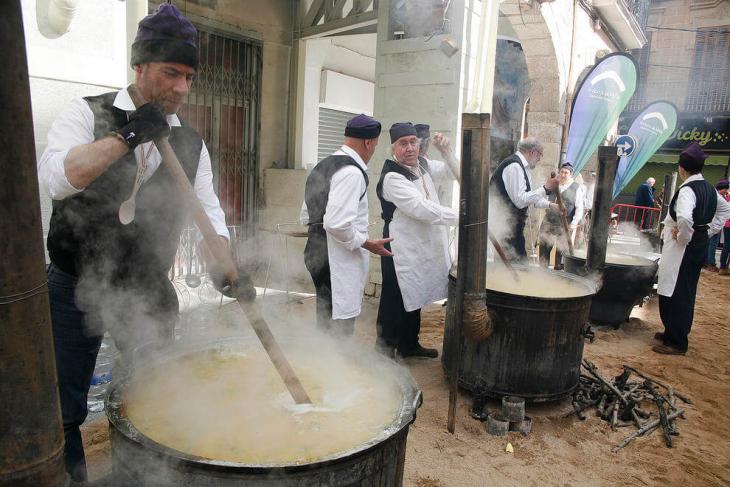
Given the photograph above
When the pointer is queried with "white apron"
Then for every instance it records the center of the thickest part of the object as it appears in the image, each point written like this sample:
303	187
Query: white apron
421	255
672	255
348	273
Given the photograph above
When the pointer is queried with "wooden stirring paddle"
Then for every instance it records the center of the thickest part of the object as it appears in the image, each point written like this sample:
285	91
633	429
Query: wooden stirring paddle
503	256
223	258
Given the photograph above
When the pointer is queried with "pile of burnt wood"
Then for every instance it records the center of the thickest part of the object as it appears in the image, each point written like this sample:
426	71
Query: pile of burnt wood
630	399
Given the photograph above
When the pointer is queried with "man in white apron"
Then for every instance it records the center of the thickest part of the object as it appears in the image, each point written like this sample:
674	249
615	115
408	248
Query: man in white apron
336	210
417	273
696	212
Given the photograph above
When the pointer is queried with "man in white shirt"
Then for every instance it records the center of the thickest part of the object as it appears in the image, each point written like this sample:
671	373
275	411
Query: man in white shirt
417	273
336	210
512	192
107	272
696	213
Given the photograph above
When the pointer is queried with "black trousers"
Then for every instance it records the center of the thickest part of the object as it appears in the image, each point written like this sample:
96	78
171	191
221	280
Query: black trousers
316	260
677	311
143	316
515	247
396	327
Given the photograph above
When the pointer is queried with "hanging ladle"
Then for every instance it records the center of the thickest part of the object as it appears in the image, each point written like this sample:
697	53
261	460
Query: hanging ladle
128	207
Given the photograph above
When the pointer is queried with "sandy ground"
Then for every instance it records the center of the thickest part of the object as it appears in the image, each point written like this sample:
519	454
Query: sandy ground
562	451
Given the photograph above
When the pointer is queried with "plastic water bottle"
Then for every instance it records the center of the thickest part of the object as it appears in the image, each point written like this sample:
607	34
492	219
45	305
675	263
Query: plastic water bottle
102	376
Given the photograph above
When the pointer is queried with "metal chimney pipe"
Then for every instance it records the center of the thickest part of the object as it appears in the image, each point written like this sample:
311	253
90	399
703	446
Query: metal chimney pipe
670	186
31	452
601	213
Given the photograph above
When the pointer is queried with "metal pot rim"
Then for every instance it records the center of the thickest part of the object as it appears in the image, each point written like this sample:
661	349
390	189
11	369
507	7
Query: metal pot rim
412	400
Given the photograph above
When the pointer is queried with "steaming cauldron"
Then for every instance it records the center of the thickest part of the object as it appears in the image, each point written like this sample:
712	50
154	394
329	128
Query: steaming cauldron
537	345
139	460
624	286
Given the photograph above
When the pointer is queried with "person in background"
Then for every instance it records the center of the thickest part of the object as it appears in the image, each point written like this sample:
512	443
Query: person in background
645	197
512	189
697	211
105	275
722	188
417	273
335	209
551	229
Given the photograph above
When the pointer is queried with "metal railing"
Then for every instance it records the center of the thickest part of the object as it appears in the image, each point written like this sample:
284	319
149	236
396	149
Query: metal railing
643	217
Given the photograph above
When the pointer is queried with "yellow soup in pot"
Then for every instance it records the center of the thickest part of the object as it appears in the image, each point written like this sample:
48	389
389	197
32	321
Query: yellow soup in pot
233	406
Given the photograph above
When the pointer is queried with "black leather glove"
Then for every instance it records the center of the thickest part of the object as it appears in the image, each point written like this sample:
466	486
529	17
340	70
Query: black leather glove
243	288
146	123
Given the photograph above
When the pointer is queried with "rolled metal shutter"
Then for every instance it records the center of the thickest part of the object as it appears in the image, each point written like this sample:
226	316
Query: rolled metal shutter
331	130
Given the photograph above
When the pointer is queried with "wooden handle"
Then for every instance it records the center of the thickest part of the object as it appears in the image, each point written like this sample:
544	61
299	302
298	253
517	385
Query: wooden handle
502	255
222	256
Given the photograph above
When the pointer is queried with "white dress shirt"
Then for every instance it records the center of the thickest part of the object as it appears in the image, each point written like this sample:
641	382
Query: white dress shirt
346	223
514	183
75	126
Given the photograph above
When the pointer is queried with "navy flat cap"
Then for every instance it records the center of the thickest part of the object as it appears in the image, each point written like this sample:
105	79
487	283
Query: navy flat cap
362	127
401	129
166	36
692	158
423	130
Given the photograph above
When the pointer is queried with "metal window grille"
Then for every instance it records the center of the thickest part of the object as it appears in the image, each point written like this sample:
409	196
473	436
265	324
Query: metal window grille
709	89
224	107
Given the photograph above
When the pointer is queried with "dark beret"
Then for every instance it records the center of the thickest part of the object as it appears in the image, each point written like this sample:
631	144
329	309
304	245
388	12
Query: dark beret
723	184
166	36
362	127
692	158
401	129
567	165
423	130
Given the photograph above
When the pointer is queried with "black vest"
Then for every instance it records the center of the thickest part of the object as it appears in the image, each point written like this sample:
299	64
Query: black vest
85	234
497	188
703	212
568	197
317	188
388	208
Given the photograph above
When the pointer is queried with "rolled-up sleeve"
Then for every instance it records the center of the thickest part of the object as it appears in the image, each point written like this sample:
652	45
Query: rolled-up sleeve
73	127
206	194
346	186
406	197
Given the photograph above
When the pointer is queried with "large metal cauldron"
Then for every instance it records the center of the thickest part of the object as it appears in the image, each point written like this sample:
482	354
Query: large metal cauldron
536	348
624	286
139	460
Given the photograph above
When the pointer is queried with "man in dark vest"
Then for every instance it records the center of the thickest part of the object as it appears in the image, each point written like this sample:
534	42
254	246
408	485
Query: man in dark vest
512	193
107	272
336	211
551	228
696	213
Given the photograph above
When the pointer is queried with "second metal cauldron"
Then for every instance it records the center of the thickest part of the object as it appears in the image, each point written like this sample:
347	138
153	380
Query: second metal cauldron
536	348
623	287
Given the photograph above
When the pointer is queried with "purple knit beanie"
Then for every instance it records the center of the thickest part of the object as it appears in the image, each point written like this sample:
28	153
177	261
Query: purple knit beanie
166	36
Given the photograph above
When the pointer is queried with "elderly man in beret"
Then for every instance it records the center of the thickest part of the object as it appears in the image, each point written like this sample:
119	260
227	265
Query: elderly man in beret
107	272
697	212
336	211
417	273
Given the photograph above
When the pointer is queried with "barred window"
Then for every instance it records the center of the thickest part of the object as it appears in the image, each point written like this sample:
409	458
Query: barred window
709	87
